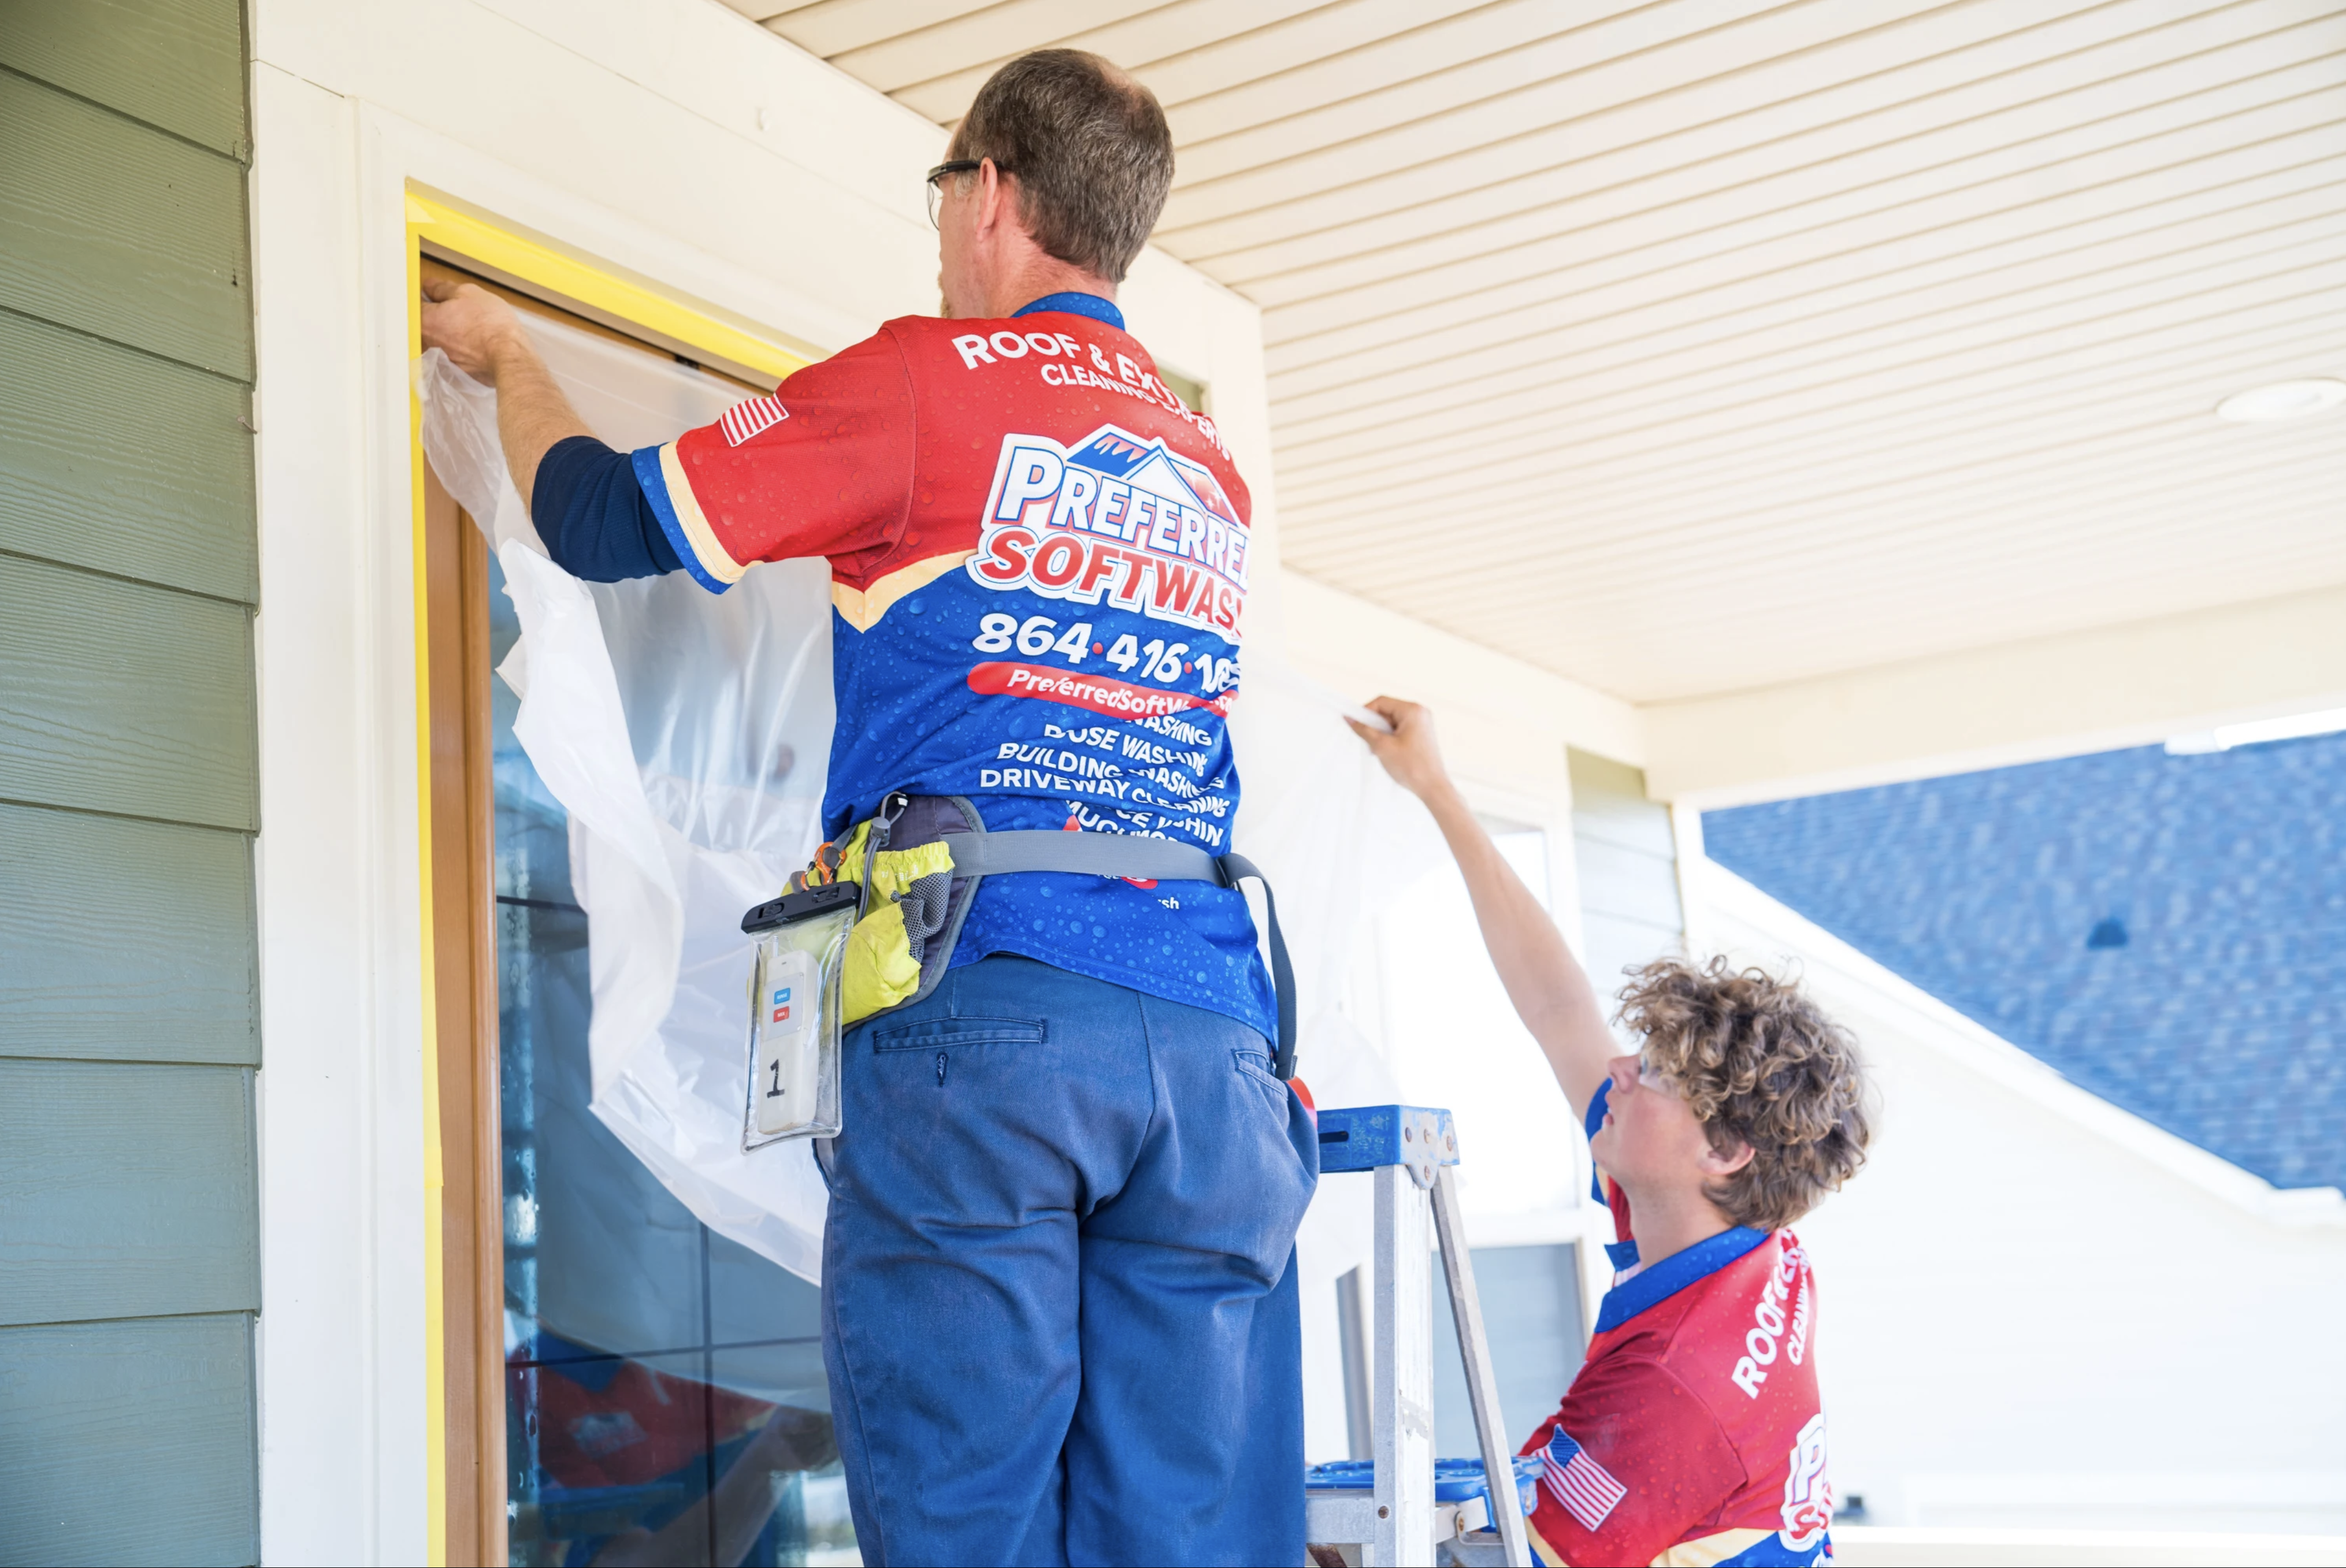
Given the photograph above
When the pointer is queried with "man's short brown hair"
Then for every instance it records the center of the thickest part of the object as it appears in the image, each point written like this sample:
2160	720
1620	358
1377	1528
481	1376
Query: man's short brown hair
1758	1062
1086	149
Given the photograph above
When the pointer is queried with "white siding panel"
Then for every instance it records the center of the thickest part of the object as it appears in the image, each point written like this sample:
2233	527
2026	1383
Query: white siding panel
1445	119
2019	388
1012	28
2026	139
1160	45
1500	466
832	27
1429	70
1951	74
1278	49
2072	261
1651	259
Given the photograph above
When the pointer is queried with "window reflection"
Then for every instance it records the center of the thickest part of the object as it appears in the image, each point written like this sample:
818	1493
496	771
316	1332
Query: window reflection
665	1396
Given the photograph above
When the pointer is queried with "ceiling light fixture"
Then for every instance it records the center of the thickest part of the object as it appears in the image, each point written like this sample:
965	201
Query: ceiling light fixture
2283	400
2224	737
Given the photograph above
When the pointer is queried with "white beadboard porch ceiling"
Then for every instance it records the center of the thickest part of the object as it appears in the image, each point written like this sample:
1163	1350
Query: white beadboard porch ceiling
1694	345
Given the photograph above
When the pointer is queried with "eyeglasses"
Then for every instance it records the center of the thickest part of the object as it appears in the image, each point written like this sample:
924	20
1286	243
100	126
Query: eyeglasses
953	166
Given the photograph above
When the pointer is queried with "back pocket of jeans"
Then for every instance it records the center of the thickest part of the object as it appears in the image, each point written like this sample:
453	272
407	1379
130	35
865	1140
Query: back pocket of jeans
949	1033
1256	1065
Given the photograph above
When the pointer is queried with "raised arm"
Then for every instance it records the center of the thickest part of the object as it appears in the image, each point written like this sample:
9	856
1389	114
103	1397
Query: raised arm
591	512
1550	990
483	335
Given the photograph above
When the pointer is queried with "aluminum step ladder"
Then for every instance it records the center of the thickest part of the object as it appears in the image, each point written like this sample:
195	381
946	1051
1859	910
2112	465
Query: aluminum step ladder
1411	1152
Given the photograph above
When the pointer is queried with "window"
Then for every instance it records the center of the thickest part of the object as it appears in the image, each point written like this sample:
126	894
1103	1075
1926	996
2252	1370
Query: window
1532	1317
1431	1002
1429	998
651	1365
661	1393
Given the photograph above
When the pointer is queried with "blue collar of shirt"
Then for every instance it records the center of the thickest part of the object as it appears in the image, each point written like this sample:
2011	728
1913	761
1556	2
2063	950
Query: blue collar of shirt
1621	1254
1671	1275
1596	1120
1660	1281
1074	304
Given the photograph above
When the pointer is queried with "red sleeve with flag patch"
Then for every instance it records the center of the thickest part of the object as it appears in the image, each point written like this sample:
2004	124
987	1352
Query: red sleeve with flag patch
1630	1464
820	466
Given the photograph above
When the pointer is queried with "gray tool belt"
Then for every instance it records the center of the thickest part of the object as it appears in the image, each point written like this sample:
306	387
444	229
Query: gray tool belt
908	821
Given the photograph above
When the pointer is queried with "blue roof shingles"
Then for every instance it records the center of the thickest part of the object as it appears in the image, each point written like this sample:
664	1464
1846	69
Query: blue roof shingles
2166	932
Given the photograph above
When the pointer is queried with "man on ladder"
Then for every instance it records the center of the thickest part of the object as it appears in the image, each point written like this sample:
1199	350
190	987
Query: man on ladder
1693	1432
1059	1299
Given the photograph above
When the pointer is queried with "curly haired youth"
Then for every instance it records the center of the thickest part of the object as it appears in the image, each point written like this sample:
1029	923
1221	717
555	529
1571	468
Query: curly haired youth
1756	1061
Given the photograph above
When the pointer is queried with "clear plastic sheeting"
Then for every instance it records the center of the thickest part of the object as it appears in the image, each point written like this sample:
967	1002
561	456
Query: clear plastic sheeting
1340	843
686	733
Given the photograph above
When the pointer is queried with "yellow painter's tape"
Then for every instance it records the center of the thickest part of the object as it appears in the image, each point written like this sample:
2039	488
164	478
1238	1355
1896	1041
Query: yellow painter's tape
590	285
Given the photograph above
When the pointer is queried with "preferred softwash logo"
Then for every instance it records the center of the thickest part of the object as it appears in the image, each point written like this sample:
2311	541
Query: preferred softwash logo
1116	520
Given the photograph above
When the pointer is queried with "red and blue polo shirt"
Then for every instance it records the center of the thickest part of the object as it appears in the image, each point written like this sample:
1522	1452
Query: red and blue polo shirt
1039	561
1694	1432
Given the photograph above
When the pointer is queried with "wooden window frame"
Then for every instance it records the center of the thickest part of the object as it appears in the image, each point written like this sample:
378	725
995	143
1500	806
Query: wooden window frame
464	1208
460	844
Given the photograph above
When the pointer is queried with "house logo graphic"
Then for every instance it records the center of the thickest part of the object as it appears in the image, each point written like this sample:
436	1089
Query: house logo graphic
1156	469
1116	519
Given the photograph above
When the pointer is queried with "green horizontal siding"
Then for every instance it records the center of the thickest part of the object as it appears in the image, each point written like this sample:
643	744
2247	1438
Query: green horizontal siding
118	696
130	1191
126	941
177	64
129	1252
124	463
129	1442
111	228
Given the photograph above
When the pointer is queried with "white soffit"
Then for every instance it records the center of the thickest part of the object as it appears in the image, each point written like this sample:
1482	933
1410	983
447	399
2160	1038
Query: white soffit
1696	345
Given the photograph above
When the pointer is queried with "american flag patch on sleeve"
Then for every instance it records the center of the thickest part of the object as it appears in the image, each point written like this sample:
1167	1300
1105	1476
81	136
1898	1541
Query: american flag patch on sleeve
751	416
1586	1488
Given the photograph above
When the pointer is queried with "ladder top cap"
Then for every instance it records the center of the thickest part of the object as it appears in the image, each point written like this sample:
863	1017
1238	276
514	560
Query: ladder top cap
1362	1137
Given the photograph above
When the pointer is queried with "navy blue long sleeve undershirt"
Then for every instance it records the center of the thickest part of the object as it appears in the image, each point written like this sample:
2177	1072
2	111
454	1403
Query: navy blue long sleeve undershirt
593	514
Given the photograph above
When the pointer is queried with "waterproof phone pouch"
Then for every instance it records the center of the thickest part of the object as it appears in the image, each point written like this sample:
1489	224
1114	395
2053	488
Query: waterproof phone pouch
794	1013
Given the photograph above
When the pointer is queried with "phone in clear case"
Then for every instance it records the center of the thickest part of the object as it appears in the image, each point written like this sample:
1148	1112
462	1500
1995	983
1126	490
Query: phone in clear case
794	1023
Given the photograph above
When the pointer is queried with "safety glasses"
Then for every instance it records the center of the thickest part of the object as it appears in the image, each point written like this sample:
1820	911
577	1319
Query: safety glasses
951	166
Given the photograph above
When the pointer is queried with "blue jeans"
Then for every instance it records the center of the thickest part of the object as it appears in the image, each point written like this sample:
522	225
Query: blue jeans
1058	1301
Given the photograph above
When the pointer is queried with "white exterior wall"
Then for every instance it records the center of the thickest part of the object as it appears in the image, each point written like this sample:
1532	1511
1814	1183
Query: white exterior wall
669	140
2042	1311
